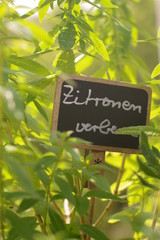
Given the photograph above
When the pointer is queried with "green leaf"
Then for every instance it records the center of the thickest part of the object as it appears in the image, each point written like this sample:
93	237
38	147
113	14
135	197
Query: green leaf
102	194
101	182
30	66
65	189
41	110
24	226
82	205
43	177
13	105
32	123
65	62
38	32
158	33
137	130
20	173
45	162
107	4
156	71
43	10
59	2
147	184
155	113
57	223
66	37
99	46
93	232
148	169
147	152
26	204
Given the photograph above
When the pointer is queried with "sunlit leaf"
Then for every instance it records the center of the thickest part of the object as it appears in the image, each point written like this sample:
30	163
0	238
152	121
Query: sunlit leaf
156	71
30	66
43	10
135	131
21	174
99	46
65	62
108	4
41	110
155	113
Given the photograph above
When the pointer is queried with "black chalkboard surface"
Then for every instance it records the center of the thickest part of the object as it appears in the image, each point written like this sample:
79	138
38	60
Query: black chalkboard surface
95	108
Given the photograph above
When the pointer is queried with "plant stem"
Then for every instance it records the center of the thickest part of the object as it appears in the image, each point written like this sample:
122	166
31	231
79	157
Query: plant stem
107	208
92	202
40	221
156	211
1	143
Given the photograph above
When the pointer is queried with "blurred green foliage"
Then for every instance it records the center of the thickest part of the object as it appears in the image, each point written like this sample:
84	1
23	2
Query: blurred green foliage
43	178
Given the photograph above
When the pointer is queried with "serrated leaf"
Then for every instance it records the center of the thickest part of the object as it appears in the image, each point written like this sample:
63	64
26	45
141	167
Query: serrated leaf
99	46
42	9
65	62
41	110
137	130
66	37
30	65
102	194
93	232
156	71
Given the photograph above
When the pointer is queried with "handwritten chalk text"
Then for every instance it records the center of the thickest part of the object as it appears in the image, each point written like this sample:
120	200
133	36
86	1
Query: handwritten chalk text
104	127
69	98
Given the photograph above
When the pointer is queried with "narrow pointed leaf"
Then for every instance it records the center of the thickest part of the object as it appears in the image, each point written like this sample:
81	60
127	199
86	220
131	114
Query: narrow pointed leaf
99	46
93	232
156	71
102	194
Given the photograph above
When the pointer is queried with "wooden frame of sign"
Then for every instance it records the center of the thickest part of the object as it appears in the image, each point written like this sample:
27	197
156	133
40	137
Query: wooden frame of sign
94	108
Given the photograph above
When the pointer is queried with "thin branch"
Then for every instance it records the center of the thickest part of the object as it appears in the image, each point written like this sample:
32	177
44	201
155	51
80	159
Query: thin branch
107	208
156	212
91	212
40	222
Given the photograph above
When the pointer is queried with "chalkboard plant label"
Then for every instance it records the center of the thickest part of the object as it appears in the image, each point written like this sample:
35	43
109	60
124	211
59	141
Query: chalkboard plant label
95	108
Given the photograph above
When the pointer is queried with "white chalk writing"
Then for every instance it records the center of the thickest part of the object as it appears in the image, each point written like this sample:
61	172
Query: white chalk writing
104	127
69	98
